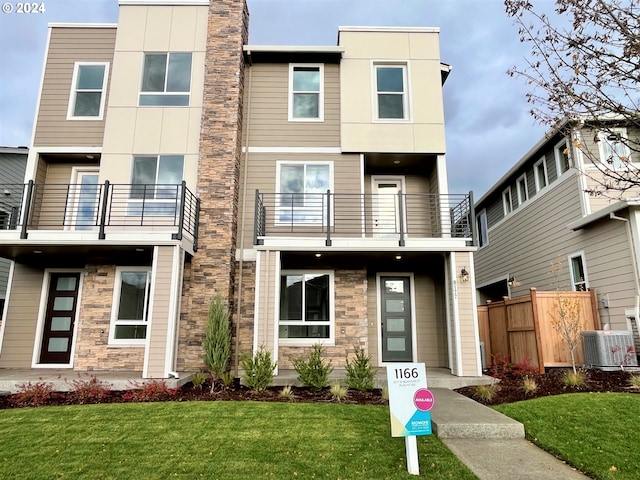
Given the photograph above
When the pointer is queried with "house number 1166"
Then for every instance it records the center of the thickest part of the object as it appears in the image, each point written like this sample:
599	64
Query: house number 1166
406	372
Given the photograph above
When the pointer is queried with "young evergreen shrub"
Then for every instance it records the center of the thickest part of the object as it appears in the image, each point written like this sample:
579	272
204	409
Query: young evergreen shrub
217	341
313	371
339	392
258	369
360	374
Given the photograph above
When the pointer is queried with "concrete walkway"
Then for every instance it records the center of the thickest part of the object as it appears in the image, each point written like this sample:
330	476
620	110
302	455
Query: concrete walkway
490	444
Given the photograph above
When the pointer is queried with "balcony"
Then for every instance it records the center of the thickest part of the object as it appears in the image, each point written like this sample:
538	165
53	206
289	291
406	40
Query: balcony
379	217
101	210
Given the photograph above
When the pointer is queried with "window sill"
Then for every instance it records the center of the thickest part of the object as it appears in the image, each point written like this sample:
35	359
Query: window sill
306	342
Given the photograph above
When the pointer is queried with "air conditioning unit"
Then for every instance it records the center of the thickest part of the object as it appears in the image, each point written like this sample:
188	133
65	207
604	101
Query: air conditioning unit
608	349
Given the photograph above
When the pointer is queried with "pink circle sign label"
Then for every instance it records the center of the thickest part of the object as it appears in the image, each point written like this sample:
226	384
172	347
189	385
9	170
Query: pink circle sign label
423	400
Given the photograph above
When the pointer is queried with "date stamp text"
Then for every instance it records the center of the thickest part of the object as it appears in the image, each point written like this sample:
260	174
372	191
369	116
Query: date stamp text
23	7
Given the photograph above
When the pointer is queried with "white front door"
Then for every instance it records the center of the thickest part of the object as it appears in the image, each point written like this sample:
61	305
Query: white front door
386	212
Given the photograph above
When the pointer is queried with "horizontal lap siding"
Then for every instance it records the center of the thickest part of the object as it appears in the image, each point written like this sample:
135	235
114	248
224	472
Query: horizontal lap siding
431	328
467	318
67	46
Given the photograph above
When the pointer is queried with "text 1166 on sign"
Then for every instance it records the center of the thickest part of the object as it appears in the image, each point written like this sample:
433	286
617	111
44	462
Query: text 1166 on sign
406	372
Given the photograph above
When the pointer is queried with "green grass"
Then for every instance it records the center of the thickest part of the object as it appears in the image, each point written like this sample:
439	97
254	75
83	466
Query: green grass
598	433
212	440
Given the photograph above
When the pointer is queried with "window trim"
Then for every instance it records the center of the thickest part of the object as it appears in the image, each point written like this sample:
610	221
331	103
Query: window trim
522	182
74	91
291	93
115	305
558	155
507	204
536	174
303	342
583	260
405	92
483	230
164	93
602	134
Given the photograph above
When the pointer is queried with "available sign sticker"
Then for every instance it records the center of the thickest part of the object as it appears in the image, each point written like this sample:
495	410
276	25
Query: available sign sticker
409	400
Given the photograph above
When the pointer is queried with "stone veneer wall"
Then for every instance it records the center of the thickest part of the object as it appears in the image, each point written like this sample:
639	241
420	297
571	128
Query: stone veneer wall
212	267
92	350
350	317
245	319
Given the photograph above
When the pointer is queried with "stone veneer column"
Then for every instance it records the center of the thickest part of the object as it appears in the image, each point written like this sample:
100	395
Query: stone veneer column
212	268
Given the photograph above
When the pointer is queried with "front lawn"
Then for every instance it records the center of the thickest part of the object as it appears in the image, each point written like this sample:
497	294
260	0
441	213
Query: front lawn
599	433
212	440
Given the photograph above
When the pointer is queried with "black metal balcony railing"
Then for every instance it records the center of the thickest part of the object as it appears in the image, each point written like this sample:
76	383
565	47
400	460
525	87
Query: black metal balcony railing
99	206
355	215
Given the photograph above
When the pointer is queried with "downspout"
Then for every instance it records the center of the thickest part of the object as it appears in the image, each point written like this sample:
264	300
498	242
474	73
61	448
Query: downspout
634	263
236	357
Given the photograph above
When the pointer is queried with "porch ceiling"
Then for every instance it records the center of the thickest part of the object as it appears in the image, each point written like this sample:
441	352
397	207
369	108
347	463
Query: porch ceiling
381	260
77	255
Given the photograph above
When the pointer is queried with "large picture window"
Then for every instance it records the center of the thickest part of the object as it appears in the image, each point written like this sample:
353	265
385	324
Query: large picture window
306	305
166	79
306	89
302	188
86	101
156	182
391	92
130	313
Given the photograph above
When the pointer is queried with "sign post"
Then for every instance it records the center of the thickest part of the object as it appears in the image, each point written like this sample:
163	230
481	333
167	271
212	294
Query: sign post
409	407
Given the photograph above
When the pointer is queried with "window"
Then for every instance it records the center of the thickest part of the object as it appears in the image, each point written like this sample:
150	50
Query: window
507	203
483	233
86	101
306	310
130	315
302	191
156	182
578	273
166	79
521	187
614	153
561	152
391	101
540	174
306	102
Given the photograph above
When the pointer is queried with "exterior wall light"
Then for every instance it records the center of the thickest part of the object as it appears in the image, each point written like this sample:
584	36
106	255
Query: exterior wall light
464	275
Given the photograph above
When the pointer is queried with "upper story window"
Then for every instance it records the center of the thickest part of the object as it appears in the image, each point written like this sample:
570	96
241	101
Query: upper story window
521	187
578	272
156	181
561	152
86	101
540	174
391	92
302	188
483	230
507	201
614	153
166	79
306	92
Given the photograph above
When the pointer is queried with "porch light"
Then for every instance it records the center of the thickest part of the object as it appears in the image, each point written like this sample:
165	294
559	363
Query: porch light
318	255
398	257
464	275
511	281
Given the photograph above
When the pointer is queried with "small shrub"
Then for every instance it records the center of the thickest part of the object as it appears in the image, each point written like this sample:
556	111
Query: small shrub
313	372
500	367
258	369
634	381
339	392
198	379
227	379
151	391
287	392
524	368
92	390
529	385
574	379
33	394
360	374
485	393
217	340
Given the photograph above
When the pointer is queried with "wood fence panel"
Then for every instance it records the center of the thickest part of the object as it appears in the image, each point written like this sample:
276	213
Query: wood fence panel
498	331
521	330
483	330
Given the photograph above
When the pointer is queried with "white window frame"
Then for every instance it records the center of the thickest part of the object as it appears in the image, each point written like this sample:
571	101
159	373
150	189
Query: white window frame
74	91
585	280
301	342
405	91
142	93
602	136
483	228
507	201
522	189
320	117
133	203
281	208
558	153
544	181
115	306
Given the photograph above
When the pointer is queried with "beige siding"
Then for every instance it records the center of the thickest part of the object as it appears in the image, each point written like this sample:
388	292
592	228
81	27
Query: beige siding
431	328
266	110
67	46
467	319
266	298
22	316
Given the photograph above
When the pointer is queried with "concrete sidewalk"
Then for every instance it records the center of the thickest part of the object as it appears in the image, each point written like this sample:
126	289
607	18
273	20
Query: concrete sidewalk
490	444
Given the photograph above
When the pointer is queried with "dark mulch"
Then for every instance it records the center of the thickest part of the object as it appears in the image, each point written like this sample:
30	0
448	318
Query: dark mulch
510	389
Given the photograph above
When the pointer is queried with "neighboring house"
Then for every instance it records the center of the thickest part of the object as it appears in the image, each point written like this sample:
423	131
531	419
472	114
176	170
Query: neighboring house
12	164
170	161
539	212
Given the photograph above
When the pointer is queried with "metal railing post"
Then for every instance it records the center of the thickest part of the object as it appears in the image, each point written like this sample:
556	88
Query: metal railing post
472	220
401	219
183	195
327	242
196	225
27	210
256	218
103	210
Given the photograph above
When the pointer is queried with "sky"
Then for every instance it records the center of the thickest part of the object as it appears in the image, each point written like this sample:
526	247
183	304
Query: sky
487	120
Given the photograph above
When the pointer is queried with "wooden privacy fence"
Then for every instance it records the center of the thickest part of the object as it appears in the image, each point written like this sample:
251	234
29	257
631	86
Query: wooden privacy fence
520	329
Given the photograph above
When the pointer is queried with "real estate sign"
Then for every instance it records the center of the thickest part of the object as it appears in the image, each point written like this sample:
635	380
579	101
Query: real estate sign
409	400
